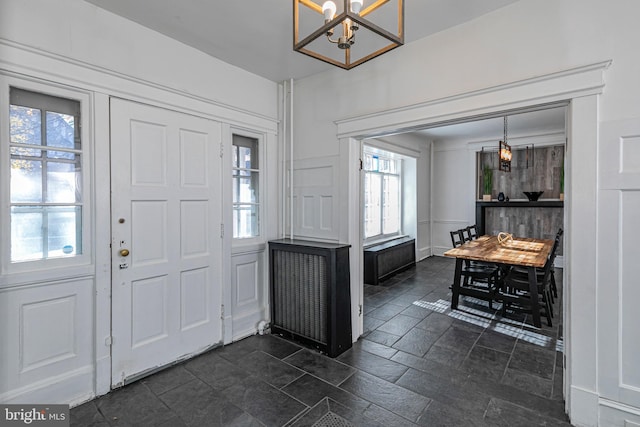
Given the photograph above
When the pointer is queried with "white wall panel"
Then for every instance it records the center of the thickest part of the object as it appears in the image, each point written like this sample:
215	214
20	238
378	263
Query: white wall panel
47	341
249	299
629	315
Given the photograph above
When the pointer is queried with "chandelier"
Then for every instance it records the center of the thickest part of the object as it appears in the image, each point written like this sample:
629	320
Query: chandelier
334	41
504	151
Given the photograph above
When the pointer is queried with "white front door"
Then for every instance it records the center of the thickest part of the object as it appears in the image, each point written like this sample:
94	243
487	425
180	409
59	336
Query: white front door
618	233
166	245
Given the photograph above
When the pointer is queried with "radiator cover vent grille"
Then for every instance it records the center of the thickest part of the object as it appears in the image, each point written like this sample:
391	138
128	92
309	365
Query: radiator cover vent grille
301	294
310	293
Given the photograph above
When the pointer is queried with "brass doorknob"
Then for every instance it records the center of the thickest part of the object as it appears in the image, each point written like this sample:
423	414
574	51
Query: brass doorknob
124	252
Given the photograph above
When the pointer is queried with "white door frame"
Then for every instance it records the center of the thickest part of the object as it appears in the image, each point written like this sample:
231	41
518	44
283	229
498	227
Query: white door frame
581	86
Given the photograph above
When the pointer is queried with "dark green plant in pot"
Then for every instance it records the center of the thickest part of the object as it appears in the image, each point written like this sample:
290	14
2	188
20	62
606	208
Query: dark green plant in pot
487	180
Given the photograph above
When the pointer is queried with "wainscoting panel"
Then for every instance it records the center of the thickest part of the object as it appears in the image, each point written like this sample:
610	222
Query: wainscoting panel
47	342
249	299
315	195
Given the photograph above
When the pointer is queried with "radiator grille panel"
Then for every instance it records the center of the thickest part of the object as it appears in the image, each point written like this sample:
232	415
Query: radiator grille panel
300	294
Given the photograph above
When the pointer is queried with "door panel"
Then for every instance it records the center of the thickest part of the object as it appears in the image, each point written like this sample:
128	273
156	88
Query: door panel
618	232
166	192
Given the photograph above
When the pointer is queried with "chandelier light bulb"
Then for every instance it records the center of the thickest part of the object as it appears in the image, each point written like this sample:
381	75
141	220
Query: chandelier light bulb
356	6
329	10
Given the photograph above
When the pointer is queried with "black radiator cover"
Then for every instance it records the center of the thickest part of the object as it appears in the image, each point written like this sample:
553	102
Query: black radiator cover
310	293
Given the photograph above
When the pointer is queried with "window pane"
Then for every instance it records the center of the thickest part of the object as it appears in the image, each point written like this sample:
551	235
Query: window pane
372	191
26	233
63	183
61	130
26	181
245	188
391	205
25	125
63	226
245	221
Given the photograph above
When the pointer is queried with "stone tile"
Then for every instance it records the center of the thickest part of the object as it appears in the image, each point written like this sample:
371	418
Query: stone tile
374	348
387	418
311	390
504	414
458	338
484	362
168	379
322	367
550	408
197	404
419	312
497	341
134	404
437	322
379	366
534	360
272	344
219	373
451	391
386	312
448	356
87	415
269	405
404	300
394	398
399	325
371	324
528	382
383	338
441	415
268	368
417	341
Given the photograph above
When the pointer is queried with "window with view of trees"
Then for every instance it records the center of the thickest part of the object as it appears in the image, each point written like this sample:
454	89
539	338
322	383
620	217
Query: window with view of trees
46	198
246	200
382	195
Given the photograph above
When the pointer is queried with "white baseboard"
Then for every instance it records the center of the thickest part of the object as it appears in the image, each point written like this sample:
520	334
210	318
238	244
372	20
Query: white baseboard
72	388
583	411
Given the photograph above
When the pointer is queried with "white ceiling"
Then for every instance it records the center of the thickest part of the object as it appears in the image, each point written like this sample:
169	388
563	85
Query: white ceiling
257	35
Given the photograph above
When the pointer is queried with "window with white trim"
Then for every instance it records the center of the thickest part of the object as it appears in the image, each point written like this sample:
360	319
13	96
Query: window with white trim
246	180
382	195
46	189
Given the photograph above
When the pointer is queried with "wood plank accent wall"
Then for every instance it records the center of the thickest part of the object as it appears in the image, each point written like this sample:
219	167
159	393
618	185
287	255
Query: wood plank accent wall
542	174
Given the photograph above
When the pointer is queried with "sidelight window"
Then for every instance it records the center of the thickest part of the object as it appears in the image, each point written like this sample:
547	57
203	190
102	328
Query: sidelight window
46	188
246	194
382	195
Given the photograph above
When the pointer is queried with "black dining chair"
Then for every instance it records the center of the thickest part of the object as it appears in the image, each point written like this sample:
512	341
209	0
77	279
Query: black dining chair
474	275
470	233
515	292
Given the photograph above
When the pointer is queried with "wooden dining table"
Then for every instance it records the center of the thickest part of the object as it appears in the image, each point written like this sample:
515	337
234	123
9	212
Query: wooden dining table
520	251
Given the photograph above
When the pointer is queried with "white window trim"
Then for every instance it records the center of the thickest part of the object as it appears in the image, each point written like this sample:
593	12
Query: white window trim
48	269
261	138
381	238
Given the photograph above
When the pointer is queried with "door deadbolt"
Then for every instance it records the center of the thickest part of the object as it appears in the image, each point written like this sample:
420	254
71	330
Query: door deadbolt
124	252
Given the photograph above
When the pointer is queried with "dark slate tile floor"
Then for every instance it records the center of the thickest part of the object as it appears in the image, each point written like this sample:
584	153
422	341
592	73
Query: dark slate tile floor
417	364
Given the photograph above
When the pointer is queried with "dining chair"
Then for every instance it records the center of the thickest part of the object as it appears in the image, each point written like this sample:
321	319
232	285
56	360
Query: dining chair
474	275
515	292
471	233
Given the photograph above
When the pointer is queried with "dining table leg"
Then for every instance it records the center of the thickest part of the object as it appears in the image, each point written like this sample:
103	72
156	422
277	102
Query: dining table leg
533	292
455	288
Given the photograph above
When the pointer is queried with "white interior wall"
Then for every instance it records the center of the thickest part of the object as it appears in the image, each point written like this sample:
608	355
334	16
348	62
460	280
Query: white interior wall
71	43
524	40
